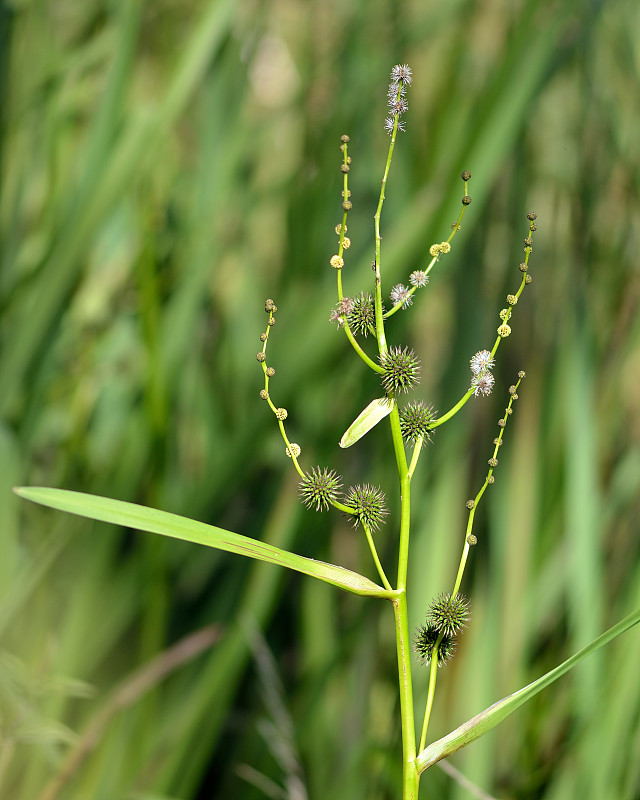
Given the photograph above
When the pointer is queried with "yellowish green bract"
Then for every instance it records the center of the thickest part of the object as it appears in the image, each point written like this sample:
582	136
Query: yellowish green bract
376	410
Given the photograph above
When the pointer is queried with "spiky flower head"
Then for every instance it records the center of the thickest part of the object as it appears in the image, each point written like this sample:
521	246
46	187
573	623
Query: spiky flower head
482	383
319	488
415	420
294	451
368	504
362	316
401	370
481	361
449	614
389	123
400	294
402	72
424	644
419	278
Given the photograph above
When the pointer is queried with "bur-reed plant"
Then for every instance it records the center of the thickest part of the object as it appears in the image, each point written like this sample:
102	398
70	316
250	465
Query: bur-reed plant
413	426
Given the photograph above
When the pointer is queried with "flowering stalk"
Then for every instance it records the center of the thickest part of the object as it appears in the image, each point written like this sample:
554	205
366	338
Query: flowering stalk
411	425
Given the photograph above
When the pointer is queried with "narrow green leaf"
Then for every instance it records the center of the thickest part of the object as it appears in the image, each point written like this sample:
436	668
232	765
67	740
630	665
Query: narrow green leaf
367	419
152	520
486	720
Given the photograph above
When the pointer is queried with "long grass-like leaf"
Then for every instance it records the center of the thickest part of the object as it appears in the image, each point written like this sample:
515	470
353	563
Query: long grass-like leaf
486	720
153	520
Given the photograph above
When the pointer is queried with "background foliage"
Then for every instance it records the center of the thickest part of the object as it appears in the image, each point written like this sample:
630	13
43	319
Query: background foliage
167	166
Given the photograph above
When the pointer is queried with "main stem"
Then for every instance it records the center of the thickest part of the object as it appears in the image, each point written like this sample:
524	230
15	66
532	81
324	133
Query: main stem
410	776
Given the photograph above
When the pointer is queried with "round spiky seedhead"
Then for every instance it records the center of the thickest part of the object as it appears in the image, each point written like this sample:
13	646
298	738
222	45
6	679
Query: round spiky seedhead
264	394
344	138
418	278
319	488
271	371
362	316
482	383
281	414
261	357
504	331
401	370
466	200
336	262
269	305
368	504
466	175
481	362
449	614
400	294
294	451
415	421
424	643
532	215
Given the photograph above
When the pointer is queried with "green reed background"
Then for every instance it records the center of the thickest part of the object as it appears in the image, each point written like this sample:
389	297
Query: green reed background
166	167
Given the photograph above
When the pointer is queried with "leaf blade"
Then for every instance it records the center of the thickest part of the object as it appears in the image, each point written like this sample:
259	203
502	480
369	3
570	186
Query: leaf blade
483	722
376	411
152	520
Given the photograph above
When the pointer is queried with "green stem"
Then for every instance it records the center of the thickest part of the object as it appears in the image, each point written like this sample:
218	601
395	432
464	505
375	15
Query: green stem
453	410
433	676
410	777
376	559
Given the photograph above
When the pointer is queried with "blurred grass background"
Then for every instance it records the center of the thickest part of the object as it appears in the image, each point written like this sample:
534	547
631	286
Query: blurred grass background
166	167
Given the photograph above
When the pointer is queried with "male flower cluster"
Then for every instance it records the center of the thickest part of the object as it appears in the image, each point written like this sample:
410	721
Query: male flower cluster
401	77
481	365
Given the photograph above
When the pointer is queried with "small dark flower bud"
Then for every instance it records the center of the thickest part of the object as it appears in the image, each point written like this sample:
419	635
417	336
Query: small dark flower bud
466	175
344	168
528	242
344	138
271	321
492	462
533	227
264	394
269	305
347	205
470	504
491	479
261	357
522	374
466	200
522	267
528	279
271	371
532	215
263	337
